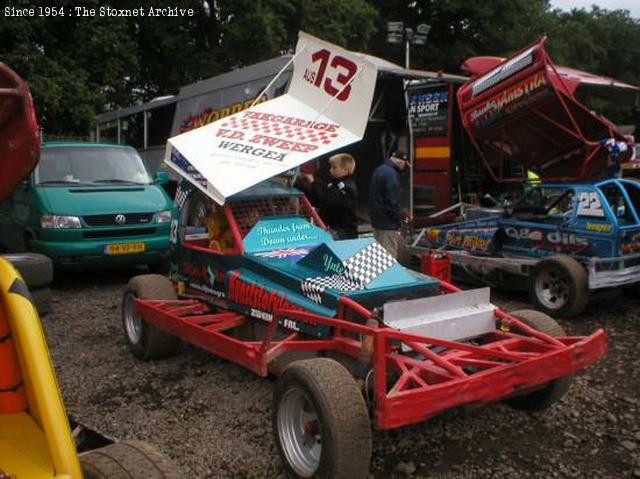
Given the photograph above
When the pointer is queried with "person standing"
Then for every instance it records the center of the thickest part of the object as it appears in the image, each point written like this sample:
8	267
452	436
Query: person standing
336	198
614	160
385	201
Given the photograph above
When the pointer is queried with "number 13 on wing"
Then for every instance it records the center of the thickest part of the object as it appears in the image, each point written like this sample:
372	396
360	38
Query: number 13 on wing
333	73
335	82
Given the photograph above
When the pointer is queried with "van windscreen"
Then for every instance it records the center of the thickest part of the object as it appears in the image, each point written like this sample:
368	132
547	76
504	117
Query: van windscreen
91	166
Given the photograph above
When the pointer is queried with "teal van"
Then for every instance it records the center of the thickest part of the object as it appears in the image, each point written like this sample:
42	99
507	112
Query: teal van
89	205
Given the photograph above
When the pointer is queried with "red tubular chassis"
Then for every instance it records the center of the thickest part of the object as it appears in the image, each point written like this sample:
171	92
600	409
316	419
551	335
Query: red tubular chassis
410	378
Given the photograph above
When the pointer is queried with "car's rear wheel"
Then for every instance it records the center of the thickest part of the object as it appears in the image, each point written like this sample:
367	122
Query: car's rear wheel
559	286
554	390
320	421
128	460
146	341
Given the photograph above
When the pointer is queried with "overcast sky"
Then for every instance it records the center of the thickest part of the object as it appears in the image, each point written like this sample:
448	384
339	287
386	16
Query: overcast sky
632	5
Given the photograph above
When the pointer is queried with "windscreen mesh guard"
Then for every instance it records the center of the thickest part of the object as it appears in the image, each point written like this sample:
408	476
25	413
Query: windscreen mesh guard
248	212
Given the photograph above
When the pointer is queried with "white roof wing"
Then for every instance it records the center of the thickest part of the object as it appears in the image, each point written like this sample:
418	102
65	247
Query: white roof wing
326	108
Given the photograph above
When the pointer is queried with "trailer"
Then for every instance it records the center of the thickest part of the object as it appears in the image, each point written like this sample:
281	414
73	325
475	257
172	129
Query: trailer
354	337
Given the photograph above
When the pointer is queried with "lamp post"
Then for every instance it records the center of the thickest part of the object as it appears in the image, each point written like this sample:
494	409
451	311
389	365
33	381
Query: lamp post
398	33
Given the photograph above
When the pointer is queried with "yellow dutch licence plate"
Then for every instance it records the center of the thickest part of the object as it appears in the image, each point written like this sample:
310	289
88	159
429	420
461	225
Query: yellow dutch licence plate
124	248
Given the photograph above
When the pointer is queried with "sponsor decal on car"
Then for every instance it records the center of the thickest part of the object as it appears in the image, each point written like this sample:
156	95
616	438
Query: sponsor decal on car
549	240
473	239
509	101
599	227
630	244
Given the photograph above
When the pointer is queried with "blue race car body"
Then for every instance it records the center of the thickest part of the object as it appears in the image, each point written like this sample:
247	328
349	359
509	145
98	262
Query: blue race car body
598	224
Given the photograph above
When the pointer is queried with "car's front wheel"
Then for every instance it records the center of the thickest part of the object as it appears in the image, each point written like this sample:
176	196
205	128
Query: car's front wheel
320	421
554	390
146	341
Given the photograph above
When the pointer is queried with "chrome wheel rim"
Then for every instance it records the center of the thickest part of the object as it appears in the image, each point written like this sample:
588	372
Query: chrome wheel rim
299	429
552	289
132	322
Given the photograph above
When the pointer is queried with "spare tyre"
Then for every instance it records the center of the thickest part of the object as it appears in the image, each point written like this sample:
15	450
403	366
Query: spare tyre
36	269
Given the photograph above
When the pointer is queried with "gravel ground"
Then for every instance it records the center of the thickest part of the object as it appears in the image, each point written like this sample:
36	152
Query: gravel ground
213	418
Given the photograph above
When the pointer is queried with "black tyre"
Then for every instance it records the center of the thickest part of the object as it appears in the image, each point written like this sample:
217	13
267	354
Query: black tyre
36	269
320	421
128	460
559	286
42	300
146	341
553	391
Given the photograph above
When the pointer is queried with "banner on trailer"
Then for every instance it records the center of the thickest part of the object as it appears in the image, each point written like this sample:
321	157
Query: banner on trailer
326	108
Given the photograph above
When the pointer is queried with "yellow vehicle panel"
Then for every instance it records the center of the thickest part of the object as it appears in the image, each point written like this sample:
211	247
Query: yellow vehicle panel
23	448
37	441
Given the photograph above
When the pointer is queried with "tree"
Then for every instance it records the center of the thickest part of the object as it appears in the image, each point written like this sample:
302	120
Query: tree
461	29
80	66
73	65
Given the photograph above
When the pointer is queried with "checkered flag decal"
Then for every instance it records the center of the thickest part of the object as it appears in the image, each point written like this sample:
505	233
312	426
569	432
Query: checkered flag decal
368	264
313	288
296	133
360	270
184	189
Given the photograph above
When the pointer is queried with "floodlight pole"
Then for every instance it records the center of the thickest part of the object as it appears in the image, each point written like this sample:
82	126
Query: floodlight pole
397	33
407	48
408	35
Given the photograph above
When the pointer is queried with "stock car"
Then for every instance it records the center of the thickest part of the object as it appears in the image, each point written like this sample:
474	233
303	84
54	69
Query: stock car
559	241
349	331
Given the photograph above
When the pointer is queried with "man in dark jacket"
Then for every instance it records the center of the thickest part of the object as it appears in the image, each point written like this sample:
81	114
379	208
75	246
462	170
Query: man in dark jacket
336	198
385	200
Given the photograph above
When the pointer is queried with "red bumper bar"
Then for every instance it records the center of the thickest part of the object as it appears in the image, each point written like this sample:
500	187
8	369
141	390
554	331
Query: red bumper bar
412	399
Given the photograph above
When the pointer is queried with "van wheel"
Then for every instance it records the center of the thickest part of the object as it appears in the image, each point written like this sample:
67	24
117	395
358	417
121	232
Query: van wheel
554	390
146	341
320	421
559	286
130	460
